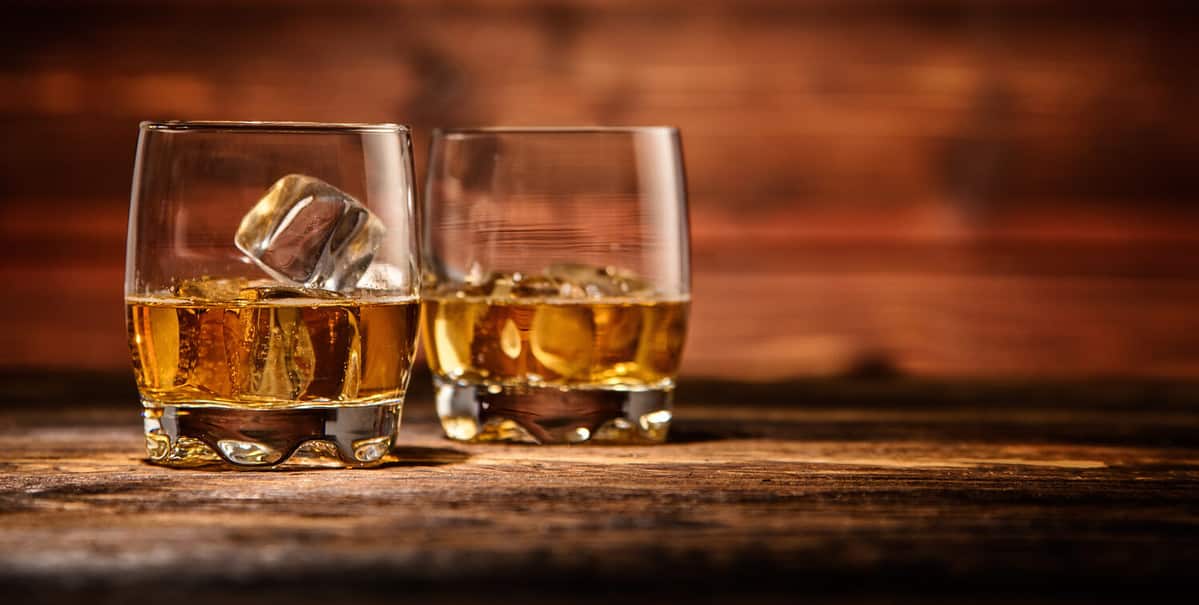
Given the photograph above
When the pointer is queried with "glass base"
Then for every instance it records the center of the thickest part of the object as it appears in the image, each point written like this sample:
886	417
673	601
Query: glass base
527	414
310	437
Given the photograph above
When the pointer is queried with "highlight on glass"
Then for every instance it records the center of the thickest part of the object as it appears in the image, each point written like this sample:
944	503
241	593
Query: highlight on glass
271	291
557	283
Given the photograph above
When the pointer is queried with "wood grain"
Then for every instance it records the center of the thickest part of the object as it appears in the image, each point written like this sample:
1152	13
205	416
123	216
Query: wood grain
838	491
974	188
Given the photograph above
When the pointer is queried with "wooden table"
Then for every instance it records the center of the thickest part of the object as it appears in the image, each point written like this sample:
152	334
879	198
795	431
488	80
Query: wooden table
838	491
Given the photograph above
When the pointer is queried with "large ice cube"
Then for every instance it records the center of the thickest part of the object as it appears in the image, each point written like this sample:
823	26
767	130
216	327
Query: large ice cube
307	232
308	347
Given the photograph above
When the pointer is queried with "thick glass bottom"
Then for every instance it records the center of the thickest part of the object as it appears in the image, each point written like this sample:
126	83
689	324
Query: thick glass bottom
527	414
317	436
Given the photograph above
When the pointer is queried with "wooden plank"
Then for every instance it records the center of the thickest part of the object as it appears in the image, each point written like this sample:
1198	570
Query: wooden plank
855	491
907	102
882	156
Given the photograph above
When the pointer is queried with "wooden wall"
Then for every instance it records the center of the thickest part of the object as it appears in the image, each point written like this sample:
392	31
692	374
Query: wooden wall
935	187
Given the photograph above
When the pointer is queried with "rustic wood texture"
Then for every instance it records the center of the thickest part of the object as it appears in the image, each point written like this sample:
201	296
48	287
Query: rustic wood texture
841	491
941	187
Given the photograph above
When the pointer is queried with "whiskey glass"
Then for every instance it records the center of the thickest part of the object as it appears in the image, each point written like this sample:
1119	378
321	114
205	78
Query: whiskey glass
556	272
271	291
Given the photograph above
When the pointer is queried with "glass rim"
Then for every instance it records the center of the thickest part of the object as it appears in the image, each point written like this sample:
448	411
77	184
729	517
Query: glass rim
269	126
440	132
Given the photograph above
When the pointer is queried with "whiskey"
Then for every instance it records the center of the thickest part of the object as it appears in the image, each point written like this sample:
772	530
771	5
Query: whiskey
273	354
549	369
251	373
577	344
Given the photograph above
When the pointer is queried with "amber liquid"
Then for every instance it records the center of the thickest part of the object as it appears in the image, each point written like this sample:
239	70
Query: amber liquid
542	370
259	375
580	344
270	354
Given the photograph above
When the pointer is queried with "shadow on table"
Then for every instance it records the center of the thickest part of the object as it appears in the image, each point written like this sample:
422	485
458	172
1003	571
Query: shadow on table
879	405
407	456
425	456
683	433
1161	413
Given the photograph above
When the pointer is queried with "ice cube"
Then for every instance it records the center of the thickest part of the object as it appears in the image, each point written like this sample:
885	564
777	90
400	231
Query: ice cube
211	288
491	285
306	232
511	285
384	277
279	355
559	281
297	343
561	340
499	286
275	292
535	286
589	281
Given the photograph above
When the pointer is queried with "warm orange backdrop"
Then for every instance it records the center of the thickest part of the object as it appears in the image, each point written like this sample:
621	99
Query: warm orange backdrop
953	188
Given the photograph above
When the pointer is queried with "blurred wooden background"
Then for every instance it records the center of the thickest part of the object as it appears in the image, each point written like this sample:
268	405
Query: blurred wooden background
935	187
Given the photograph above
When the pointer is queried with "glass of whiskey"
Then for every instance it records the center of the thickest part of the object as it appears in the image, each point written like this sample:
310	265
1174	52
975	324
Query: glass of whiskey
556	272
271	290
